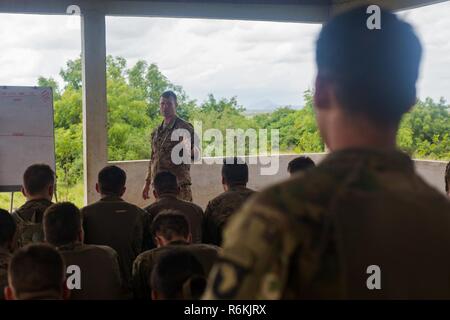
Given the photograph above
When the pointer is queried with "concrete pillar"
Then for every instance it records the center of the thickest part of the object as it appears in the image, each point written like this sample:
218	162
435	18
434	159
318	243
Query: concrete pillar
95	136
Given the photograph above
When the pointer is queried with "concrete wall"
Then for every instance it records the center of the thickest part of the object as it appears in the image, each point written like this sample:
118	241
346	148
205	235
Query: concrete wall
206	179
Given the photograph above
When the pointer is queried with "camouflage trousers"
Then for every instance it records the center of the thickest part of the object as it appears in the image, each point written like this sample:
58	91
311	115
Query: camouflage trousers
185	192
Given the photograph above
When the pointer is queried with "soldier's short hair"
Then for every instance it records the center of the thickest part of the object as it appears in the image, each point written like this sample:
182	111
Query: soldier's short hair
165	181
170	224
36	268
373	72
37	178
299	164
447	177
7	228
178	274
111	180
235	171
62	223
169	94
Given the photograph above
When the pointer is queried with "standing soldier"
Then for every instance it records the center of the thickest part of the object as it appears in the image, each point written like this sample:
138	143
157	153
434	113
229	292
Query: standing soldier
163	140
362	224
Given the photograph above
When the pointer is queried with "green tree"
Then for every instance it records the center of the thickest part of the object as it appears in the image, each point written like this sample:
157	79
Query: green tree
71	74
50	82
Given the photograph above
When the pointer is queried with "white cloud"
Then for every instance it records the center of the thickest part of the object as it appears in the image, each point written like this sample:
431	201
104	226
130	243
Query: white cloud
34	45
252	60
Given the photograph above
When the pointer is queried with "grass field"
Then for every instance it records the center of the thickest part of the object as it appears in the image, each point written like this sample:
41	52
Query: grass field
73	194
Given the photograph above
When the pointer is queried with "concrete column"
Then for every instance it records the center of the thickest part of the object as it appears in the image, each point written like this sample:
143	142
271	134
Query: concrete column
95	135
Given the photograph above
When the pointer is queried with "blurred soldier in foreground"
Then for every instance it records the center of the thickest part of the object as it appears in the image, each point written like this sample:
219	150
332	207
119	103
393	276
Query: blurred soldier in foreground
166	192
99	265
36	272
38	187
300	164
171	232
222	207
362	224
7	246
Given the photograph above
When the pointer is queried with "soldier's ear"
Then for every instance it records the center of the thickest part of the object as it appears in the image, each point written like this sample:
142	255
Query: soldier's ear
9	294
51	190
154	295
322	93
24	192
81	235
97	188
123	191
158	242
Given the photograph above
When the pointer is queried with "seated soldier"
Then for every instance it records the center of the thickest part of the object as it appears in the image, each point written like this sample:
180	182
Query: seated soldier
38	188
170	230
447	179
115	223
36	272
7	246
177	276
99	265
220	209
300	164
166	190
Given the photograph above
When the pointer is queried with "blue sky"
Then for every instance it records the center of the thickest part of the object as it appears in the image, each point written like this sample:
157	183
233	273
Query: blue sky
259	62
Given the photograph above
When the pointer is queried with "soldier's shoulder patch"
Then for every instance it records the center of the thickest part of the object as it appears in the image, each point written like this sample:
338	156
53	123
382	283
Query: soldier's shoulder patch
227	277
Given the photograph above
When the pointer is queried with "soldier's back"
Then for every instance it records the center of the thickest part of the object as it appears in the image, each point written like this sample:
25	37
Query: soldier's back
118	224
315	236
29	221
192	212
100	271
220	209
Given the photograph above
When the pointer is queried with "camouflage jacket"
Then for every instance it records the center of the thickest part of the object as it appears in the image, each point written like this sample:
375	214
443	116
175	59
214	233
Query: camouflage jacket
29	221
162	145
316	235
219	211
144	263
5	256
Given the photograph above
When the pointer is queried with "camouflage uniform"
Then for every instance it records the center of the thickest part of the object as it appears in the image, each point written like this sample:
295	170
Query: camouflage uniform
144	263
314	236
160	159
192	212
5	256
120	225
29	221
219	211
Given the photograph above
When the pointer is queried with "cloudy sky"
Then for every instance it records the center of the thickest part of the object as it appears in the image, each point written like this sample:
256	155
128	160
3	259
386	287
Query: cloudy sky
261	63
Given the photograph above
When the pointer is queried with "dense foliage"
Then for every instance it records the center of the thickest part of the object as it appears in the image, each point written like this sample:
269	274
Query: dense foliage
133	103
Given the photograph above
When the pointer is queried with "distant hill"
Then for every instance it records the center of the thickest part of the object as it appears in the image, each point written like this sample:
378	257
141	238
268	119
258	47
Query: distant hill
265	106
